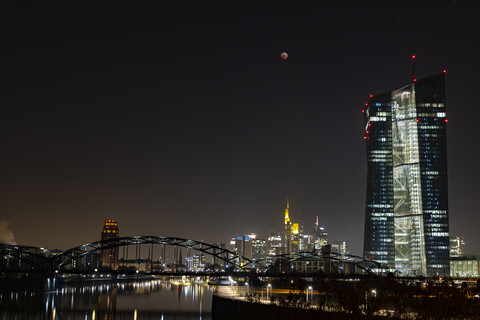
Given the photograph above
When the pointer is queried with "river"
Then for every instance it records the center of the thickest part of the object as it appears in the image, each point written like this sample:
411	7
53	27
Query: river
149	299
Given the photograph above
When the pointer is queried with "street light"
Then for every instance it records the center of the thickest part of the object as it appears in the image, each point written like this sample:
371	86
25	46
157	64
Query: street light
311	293
247	287
269	289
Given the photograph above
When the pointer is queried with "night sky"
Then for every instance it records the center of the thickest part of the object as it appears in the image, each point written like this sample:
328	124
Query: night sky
182	120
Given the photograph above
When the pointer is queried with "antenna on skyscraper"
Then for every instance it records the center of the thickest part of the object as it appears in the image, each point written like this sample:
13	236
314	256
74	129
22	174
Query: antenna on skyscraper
413	68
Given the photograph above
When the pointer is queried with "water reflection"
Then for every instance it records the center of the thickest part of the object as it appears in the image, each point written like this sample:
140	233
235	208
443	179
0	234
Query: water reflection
153	299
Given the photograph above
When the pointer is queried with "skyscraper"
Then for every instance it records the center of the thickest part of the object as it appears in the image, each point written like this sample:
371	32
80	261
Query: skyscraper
457	246
110	256
274	244
259	248
320	235
291	233
406	216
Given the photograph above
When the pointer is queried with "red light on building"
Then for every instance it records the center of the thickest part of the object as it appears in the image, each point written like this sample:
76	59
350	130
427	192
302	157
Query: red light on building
366	103
414	56
369	124
371	96
418	120
367	132
446	120
414	79
444	71
363	110
364	137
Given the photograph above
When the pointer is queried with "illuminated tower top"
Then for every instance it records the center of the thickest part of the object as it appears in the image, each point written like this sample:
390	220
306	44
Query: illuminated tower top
287	218
110	227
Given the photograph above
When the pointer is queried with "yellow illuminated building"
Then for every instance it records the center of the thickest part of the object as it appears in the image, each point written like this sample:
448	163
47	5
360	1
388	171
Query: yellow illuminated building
110	256
291	232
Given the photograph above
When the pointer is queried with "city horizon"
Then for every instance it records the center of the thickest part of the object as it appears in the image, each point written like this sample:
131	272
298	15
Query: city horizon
157	118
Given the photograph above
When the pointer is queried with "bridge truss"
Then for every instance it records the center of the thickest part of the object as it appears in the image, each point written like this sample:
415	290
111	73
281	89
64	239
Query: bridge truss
81	259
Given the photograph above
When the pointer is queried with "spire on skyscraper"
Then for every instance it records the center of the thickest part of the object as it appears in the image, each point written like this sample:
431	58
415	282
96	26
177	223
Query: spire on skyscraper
287	218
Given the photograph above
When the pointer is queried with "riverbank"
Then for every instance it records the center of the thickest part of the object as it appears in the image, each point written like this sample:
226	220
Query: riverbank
228	305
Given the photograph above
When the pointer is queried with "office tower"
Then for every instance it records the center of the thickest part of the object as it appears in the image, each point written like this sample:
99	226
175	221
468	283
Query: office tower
274	244
218	261
406	215
339	247
457	246
291	233
320	235
198	262
259	249
242	245
110	256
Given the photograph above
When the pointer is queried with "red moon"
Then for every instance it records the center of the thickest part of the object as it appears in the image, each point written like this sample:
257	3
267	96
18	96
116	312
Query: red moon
284	56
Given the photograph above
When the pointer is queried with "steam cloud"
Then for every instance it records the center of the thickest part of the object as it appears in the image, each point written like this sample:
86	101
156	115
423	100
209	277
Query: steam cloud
6	234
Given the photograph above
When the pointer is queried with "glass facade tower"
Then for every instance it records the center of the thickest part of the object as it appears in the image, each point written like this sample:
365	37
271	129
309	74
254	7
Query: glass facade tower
406	216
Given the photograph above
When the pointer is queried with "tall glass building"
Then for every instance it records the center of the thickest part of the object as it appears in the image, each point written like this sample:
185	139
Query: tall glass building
406	214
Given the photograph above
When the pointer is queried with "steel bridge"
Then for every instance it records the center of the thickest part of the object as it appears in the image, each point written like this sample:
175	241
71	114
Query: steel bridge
81	259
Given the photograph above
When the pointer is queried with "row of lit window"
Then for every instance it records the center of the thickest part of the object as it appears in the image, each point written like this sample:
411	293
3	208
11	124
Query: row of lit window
384	253
431	127
380	205
438	234
434	114
375	119
438	225
438	216
430	105
440	247
437	266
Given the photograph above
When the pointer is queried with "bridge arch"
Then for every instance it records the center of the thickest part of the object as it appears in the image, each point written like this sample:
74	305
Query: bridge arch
68	257
364	264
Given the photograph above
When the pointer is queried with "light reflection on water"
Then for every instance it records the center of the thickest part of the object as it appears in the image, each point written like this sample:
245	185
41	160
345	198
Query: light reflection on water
153	299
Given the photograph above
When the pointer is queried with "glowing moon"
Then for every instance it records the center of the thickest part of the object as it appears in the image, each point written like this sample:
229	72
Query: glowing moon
284	56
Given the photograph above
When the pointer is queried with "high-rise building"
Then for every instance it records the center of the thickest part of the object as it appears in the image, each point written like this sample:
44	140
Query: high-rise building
457	246
242	245
110	256
274	244
306	242
320	235
259	248
406	216
220	262
198	262
339	247
291	233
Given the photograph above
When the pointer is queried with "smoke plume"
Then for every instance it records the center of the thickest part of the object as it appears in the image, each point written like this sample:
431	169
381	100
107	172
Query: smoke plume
6	234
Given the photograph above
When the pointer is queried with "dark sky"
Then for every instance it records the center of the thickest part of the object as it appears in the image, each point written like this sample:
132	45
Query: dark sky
182	120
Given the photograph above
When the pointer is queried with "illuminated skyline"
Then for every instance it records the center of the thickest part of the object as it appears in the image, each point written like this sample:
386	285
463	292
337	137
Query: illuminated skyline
183	120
